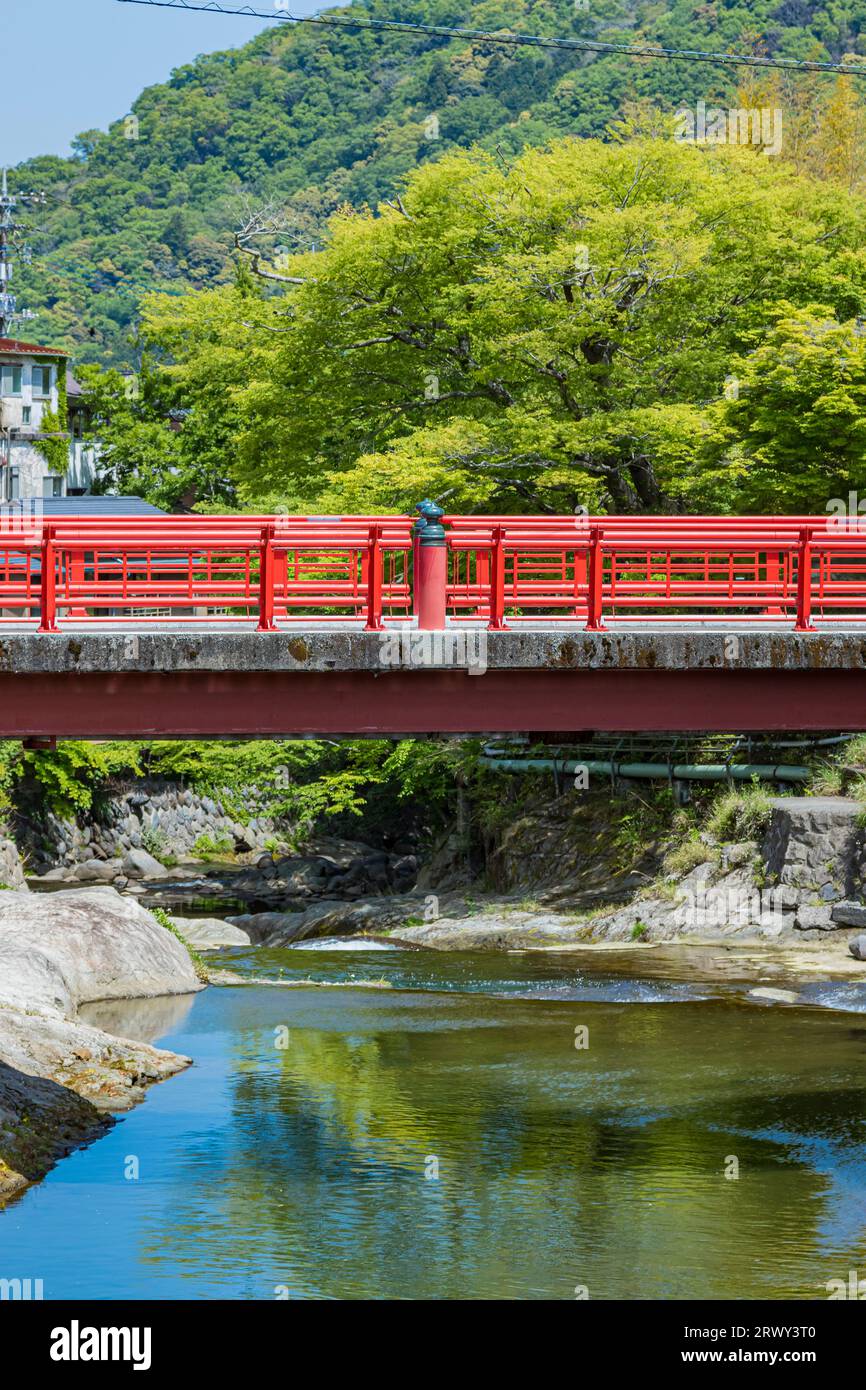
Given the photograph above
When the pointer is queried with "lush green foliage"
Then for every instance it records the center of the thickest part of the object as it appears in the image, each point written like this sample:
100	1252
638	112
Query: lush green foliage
69	777
10	754
146	450
301	784
796	428
554	332
315	118
740	813
207	847
161	916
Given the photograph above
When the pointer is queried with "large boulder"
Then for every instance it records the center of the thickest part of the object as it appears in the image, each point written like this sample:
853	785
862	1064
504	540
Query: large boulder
329	917
98	870
849	914
815	919
11	868
59	949
210	933
492	931
139	864
775	996
404	872
59	1075
304	876
742	852
266	866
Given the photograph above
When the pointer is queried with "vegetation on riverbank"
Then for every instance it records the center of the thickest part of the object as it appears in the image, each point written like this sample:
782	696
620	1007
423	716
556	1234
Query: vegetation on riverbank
162	917
362	788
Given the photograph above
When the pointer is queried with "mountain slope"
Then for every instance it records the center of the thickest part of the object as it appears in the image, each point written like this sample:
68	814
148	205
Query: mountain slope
313	117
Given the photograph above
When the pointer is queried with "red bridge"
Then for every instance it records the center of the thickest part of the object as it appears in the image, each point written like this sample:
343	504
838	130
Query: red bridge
260	625
281	570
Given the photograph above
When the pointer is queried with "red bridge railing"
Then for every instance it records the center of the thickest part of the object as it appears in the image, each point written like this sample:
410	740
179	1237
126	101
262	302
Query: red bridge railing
275	571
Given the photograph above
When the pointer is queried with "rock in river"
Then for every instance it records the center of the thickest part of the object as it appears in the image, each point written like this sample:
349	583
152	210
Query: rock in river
59	949
98	870
210	933
58	1076
774	996
137	863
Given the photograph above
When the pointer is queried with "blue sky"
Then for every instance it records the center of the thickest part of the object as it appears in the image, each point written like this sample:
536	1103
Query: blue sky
72	65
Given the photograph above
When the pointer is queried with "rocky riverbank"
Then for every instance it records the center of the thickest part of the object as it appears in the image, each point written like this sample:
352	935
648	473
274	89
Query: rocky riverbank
572	859
62	1079
328	866
556	874
800	884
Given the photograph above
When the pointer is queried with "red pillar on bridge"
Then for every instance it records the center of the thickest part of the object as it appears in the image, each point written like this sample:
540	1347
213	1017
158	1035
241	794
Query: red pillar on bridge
431	568
804	584
48	583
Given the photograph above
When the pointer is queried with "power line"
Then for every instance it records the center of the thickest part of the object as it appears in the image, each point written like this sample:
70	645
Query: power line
508	38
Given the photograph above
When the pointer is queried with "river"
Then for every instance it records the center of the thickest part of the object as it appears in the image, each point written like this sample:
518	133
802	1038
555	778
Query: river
446	1138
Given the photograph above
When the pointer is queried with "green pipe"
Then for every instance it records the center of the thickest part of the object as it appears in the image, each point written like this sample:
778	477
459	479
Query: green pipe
517	740
680	772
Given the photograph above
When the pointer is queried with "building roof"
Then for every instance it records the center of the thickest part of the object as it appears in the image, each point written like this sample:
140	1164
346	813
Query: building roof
15	345
73	387
99	506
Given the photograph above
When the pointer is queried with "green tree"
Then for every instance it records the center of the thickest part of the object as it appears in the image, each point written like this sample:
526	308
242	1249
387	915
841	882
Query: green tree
794	431
527	337
172	454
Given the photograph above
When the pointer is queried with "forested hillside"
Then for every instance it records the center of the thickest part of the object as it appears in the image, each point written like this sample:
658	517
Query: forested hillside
315	118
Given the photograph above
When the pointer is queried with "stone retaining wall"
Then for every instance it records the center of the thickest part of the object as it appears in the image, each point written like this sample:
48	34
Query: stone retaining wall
815	844
805	879
164	819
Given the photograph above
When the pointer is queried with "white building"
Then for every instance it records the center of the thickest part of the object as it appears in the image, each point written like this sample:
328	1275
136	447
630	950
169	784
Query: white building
34	383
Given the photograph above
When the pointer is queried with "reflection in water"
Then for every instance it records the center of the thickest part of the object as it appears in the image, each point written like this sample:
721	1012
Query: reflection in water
313	1165
144	1020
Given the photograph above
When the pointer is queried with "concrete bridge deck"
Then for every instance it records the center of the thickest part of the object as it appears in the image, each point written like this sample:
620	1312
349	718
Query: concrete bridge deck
206	680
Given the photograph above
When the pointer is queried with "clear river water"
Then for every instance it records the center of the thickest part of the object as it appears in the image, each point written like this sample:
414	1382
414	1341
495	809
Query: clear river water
446	1138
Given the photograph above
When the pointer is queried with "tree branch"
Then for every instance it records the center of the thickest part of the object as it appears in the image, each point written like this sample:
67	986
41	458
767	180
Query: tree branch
265	223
